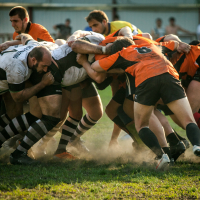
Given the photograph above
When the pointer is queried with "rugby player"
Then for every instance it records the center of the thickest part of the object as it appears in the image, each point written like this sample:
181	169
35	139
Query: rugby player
144	104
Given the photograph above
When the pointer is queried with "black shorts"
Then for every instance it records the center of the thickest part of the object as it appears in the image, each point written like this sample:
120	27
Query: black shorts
69	88
130	85
50	90
165	109
164	86
89	91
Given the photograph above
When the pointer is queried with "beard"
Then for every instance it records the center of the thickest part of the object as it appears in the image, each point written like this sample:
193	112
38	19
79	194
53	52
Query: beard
34	67
103	30
20	31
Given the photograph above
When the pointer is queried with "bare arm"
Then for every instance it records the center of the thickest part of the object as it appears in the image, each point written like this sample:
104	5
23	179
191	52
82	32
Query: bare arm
97	76
147	35
126	31
7	44
85	47
171	37
183	30
24	38
27	93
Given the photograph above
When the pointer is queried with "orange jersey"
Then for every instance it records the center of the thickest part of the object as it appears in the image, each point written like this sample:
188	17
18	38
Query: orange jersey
141	61
37	31
187	64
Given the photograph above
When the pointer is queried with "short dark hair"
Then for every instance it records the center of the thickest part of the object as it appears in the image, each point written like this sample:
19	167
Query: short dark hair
99	15
68	20
120	43
19	10
38	53
195	42
159	19
171	19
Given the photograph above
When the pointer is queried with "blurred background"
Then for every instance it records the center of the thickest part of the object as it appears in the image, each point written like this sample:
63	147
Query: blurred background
142	13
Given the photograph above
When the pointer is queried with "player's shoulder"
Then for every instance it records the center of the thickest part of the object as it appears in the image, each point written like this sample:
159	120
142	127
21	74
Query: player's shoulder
37	26
120	22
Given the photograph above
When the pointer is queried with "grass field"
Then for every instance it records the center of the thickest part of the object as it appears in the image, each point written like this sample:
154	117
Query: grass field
123	174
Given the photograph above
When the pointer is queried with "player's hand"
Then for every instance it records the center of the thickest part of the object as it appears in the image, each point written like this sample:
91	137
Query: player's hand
71	40
47	79
4	46
183	47
81	58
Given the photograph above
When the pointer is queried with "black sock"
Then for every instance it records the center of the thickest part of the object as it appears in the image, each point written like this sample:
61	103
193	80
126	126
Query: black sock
17	153
150	140
68	130
179	137
172	139
167	151
193	134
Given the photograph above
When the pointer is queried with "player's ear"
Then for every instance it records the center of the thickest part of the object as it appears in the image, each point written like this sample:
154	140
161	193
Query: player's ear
25	19
104	22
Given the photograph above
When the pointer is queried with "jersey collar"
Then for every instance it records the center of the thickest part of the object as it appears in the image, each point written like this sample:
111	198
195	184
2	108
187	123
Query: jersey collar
108	28
28	27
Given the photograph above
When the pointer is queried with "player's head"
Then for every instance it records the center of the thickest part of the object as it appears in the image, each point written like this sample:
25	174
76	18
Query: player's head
159	22
19	18
172	20
120	43
195	42
98	21
40	58
67	22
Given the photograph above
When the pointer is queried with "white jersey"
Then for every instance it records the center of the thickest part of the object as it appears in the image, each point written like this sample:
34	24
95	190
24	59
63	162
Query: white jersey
71	71
13	65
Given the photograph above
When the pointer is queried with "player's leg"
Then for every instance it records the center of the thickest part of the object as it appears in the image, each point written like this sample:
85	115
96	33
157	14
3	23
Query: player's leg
174	97
73	96
91	101
193	95
50	102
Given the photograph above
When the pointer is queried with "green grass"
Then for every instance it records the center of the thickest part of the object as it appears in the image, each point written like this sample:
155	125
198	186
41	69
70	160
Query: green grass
105	175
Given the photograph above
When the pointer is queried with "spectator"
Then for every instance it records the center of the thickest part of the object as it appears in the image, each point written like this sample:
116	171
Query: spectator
158	31
64	30
116	18
173	28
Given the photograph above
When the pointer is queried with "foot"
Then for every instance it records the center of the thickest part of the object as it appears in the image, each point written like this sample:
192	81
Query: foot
22	159
163	162
177	150
78	144
186	143
65	155
196	150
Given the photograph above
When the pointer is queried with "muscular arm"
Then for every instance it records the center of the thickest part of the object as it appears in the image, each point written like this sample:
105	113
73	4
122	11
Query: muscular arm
7	44
97	76
171	37
27	93
85	47
24	38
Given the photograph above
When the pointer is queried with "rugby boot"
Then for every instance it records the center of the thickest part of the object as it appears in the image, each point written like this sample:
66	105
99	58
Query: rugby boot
186	143
78	144
163	162
22	159
196	150
177	150
65	156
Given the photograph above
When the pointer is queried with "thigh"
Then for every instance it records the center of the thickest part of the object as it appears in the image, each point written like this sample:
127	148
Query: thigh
128	107
111	109
13	109
142	115
35	107
193	95
51	105
182	110
93	106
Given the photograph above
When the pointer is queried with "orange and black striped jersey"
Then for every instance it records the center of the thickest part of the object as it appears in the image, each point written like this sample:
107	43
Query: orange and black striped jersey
37	31
187	64
141	61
